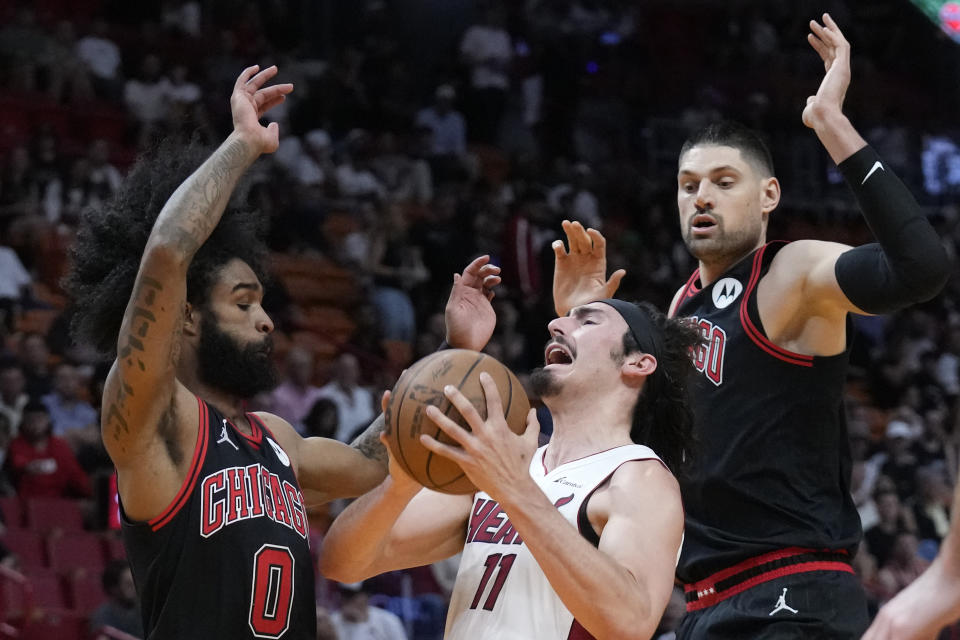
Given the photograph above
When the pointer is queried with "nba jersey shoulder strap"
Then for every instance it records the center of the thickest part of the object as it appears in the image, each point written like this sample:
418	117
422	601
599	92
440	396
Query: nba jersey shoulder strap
750	312
617	459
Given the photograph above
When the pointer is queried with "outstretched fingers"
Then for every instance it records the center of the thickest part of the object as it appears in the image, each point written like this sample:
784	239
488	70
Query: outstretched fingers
245	76
257	80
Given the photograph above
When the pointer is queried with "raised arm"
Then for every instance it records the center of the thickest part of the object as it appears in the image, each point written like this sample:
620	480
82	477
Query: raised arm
580	272
907	264
145	408
470	320
397	525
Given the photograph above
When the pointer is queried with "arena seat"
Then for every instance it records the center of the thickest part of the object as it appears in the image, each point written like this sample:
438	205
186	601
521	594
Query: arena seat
27	545
12	511
47	514
85	591
76	550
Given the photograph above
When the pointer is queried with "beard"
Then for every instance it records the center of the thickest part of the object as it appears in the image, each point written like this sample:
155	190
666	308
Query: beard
225	365
724	246
543	383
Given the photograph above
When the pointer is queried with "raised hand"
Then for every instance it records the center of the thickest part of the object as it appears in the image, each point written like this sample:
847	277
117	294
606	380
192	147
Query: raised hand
250	100
580	274
496	459
828	41
469	316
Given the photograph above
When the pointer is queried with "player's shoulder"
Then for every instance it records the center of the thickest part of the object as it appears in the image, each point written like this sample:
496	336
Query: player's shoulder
796	255
648	476
287	437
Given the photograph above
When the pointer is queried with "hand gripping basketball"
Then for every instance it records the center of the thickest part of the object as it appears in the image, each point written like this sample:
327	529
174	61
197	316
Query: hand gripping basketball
423	385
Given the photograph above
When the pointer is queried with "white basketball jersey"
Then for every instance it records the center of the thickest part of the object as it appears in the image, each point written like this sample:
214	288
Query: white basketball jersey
500	592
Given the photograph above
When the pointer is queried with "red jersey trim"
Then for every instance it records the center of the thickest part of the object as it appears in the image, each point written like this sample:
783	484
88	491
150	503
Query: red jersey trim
577	632
199	454
256	434
704	593
805	567
754	333
266	429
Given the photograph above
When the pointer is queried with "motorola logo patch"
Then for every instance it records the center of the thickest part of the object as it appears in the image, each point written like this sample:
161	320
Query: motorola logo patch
726	291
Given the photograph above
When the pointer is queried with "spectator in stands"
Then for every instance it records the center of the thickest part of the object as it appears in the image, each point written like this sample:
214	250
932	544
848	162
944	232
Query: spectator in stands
325	628
931	508
893	520
23	47
70	413
147	98
183	17
904	565
355	179
14	286
322	421
355	404
448	140
104	178
121	611
575	200
901	464
294	397
13	398
396	265
182	93
40	464
67	73
486	50
102	57
19	187
35	356
357	620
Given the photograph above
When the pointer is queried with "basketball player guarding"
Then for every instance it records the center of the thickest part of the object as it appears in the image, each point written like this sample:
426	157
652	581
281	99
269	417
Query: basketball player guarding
212	497
770	524
577	539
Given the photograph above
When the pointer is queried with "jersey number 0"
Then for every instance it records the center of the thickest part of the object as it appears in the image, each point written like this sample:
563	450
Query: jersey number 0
272	594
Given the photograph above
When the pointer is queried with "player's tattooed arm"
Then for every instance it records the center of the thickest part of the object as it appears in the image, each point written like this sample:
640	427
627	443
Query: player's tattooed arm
141	385
368	443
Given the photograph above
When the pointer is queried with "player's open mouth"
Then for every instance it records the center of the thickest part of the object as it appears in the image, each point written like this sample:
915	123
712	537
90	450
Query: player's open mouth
703	221
556	353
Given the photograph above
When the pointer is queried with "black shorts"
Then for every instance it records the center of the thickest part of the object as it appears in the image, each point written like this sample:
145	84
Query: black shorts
828	605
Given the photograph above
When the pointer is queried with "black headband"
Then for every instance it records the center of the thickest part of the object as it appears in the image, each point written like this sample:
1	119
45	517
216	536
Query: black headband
641	326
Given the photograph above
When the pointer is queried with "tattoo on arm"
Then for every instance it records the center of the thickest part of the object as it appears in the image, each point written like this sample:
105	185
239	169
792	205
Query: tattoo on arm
195	208
368	443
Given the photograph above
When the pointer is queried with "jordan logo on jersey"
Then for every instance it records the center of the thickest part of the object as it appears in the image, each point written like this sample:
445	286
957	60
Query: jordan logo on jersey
708	357
241	493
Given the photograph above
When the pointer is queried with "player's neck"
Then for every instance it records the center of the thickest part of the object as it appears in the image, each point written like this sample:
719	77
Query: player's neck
584	430
712	270
231	406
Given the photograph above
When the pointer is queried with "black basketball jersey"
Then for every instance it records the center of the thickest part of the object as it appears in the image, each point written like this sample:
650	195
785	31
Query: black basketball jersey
230	557
773	464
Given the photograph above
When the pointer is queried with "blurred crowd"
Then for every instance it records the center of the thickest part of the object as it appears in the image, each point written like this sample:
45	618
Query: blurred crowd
420	135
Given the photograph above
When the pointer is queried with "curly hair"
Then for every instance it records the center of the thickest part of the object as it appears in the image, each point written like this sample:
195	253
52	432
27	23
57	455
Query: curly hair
110	241
663	418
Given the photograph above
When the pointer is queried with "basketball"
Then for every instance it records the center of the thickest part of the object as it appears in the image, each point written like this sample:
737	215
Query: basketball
422	385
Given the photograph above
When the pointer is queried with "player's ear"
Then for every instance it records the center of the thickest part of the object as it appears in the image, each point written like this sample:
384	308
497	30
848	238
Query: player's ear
191	320
769	194
636	367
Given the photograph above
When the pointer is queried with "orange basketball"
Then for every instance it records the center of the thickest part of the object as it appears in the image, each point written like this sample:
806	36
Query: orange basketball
422	385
